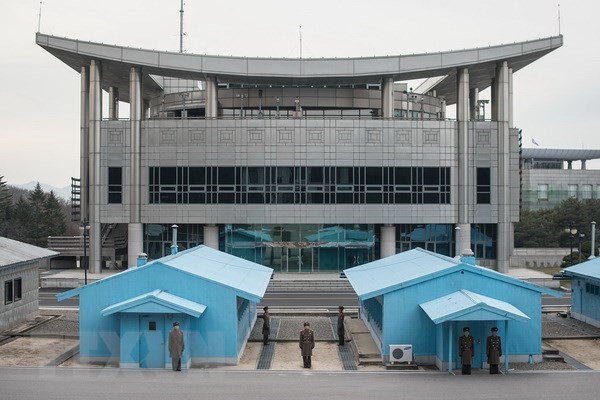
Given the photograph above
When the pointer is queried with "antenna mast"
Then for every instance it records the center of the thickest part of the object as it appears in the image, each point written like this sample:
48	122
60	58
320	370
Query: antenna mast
40	18
181	28
301	42
559	18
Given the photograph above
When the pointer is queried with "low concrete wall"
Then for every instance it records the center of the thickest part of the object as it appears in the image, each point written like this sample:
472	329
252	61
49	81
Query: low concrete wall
537	257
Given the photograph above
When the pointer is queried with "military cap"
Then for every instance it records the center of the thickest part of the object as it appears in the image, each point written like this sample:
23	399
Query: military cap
175	323
466	329
265	308
494	329
341	307
307	323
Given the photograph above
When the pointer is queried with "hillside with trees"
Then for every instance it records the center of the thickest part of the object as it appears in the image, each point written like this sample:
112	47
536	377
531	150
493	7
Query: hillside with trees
32	216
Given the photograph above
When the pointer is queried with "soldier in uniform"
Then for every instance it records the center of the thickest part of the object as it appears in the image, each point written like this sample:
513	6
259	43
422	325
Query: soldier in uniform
466	350
494	350
176	346
341	330
266	329
307	343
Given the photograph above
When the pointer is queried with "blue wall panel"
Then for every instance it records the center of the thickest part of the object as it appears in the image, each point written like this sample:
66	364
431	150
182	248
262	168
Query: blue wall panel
214	334
406	323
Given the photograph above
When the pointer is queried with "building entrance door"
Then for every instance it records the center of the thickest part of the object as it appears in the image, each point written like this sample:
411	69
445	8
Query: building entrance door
152	341
298	259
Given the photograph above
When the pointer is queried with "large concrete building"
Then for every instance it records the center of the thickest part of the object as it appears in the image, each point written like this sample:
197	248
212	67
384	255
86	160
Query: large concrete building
302	165
549	177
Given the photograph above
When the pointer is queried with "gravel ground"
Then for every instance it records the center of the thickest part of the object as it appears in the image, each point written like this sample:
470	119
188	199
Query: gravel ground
33	352
586	351
325	357
291	326
541	366
554	325
249	359
64	325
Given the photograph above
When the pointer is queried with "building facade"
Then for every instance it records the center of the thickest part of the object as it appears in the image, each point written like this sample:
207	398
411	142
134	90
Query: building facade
302	165
20	278
126	318
424	299
549	177
585	294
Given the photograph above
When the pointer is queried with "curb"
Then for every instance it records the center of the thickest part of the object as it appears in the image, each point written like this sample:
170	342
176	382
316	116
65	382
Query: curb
63	357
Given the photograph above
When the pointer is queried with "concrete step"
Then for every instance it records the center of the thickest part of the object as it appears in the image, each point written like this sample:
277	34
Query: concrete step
402	367
369	361
547	350
553	357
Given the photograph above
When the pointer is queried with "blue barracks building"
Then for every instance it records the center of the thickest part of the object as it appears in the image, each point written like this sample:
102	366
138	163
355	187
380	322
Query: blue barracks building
425	299
585	296
126	318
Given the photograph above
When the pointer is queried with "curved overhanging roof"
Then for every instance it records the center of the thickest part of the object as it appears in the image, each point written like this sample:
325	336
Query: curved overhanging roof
560	154
117	60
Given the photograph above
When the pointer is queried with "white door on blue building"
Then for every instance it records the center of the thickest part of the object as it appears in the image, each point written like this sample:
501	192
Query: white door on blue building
152	341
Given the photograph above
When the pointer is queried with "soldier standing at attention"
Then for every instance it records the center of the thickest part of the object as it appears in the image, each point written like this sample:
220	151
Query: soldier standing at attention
494	350
176	346
341	330
466	350
266	329
307	343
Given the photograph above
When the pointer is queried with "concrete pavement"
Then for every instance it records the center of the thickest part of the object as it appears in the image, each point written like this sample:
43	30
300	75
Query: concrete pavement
78	384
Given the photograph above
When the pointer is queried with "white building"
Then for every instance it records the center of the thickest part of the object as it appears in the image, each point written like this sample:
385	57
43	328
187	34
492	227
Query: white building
299	164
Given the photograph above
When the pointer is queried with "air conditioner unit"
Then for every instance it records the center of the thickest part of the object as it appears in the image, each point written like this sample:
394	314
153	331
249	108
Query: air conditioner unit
401	353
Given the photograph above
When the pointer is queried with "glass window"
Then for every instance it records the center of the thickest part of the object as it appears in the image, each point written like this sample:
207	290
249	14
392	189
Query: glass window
572	191
543	192
483	240
18	289
8	292
115	185
483	186
586	192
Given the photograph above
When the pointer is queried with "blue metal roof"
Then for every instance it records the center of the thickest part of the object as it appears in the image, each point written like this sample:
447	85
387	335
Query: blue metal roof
156	301
414	266
588	269
386	274
248	278
467	305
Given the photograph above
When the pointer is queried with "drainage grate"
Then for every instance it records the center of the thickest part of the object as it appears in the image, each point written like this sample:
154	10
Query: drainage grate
347	357
266	353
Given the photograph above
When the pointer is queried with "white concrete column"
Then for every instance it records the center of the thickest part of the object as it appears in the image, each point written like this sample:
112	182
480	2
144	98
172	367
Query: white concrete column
211	236
388	240
134	229
95	114
462	120
84	143
113	102
387	97
510	99
135	240
504	224
212	99
493	101
473	107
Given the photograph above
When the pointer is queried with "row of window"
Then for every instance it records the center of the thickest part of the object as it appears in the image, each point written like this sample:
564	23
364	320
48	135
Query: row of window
13	290
574	191
299	185
593	289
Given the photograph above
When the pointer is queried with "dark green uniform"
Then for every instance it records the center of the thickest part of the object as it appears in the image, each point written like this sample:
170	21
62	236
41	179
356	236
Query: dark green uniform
341	330
266	329
494	352
466	350
307	343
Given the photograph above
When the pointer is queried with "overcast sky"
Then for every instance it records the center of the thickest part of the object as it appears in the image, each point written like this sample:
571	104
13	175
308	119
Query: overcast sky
556	98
